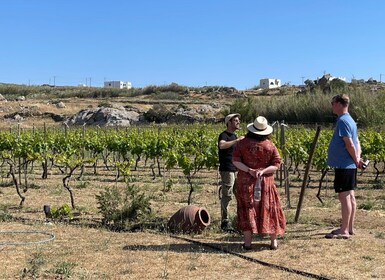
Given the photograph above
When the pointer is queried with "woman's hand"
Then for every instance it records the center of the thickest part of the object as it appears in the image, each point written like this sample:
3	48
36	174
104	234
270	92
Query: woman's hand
260	173
252	172
256	173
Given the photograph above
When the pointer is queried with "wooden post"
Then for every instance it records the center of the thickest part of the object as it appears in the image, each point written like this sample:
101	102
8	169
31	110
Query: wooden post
304	183
285	172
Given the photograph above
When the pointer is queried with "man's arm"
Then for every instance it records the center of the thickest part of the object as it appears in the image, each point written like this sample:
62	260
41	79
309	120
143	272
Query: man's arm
227	144
353	152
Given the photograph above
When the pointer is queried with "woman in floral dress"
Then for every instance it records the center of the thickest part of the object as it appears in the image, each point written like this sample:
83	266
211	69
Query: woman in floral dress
257	157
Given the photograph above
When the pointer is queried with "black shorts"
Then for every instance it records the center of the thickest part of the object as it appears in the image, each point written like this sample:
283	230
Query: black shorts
345	180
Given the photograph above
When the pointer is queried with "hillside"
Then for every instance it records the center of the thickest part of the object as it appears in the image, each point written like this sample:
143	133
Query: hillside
34	106
30	106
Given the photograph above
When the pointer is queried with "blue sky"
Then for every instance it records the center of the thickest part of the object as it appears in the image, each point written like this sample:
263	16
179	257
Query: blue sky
192	43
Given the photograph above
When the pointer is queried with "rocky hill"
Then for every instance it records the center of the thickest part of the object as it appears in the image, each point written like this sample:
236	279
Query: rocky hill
29	106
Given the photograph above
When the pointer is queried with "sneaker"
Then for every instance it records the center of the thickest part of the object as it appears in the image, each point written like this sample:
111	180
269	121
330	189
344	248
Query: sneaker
225	226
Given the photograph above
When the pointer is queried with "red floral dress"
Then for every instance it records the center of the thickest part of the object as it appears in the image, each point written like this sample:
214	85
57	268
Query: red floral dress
269	218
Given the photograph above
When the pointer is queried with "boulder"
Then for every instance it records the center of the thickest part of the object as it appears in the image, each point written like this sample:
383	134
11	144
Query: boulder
60	105
103	116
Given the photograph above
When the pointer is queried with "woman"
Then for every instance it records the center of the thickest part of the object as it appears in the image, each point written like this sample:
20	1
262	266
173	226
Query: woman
256	157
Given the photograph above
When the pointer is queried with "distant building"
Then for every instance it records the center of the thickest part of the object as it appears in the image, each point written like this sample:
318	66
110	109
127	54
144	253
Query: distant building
269	83
331	78
117	84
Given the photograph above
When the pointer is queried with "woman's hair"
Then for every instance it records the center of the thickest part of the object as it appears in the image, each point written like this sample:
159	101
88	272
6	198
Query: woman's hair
257	136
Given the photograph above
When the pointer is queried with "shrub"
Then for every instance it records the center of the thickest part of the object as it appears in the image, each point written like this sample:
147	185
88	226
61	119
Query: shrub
167	96
34	266
120	208
4	217
366	205
59	213
64	269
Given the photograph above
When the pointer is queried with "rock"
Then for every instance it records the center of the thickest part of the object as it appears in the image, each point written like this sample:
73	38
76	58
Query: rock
17	117
103	116
60	105
55	117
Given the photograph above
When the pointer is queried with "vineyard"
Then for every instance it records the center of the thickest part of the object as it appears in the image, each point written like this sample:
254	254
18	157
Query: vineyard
190	149
176	166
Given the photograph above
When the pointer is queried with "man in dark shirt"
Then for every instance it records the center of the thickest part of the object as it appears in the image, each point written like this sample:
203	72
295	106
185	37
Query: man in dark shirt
226	141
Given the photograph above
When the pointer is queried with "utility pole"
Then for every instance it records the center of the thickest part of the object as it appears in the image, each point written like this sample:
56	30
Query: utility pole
88	81
381	77
302	79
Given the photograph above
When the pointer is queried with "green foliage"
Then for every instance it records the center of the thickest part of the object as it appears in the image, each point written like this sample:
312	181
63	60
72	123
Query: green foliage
337	85
4	215
171	88
379	185
120	208
109	204
366	205
314	106
13	91
64	269
34	266
61	212
367	258
167	96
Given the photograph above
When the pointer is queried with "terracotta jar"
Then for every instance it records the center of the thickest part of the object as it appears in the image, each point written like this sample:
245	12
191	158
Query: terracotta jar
189	219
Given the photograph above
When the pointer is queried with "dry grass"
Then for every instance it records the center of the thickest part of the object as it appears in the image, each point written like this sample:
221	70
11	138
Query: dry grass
83	250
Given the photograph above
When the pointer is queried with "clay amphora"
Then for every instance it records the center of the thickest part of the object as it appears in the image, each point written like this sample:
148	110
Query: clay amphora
189	219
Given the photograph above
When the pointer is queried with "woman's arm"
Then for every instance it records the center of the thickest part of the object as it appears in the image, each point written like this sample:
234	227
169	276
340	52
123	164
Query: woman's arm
241	166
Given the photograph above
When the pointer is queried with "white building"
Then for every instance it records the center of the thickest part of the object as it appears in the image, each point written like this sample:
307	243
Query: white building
269	83
117	84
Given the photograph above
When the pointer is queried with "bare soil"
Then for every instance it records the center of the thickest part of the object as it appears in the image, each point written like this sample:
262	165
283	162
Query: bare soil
84	250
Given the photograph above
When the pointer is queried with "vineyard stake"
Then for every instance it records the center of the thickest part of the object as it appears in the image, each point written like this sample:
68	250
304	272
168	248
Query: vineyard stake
305	177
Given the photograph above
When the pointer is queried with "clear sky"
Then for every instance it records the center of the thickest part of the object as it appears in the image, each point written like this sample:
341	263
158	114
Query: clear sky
190	42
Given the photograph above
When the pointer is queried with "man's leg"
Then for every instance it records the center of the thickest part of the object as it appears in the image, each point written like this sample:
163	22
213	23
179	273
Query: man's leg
346	211
228	179
353	212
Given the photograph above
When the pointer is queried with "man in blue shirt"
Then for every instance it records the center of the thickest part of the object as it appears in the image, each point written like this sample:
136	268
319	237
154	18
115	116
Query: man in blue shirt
344	154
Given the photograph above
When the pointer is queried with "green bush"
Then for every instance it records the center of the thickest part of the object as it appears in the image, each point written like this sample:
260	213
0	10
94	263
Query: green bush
314	108
121	208
61	212
32	271
167	96
64	269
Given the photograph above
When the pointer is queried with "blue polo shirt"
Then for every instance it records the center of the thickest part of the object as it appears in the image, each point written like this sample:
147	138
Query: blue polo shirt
338	155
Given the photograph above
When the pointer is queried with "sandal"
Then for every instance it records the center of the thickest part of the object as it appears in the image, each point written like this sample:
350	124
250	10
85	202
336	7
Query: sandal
336	231
336	235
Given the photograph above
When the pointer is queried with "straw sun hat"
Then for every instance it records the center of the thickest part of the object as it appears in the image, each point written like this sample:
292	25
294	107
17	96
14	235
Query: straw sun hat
260	126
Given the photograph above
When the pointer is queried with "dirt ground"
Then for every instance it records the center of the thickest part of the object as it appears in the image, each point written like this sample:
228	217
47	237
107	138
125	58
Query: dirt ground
81	249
